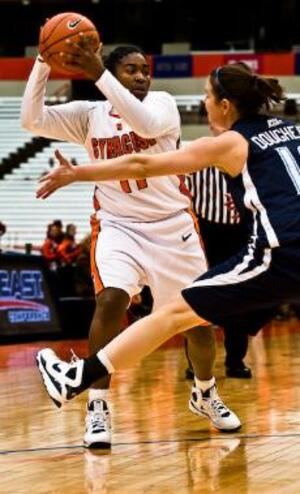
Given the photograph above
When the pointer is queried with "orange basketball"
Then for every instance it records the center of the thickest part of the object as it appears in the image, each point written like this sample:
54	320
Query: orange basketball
57	30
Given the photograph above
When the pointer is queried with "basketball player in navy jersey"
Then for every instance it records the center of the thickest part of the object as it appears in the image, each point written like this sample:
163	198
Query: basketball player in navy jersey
260	155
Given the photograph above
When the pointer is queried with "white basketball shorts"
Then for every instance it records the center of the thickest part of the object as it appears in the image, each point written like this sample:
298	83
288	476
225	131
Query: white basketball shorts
166	255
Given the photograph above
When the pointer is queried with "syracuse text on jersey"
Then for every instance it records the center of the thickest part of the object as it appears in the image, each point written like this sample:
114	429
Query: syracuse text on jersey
111	147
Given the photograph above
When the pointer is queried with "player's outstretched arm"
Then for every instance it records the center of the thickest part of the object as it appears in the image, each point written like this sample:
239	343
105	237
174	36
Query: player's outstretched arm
227	151
65	174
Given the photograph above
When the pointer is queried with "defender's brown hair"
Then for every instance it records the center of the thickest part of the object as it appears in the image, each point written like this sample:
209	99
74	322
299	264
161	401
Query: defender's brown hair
250	92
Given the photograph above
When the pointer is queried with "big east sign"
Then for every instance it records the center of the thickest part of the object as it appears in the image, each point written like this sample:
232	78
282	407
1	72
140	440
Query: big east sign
20	294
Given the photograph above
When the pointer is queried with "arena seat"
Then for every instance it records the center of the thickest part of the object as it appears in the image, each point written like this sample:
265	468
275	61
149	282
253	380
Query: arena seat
12	136
25	216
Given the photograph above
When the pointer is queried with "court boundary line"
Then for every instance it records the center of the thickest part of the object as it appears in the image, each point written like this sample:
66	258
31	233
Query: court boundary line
162	441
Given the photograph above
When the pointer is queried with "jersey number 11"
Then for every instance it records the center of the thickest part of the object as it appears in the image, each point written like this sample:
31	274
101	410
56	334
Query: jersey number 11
125	185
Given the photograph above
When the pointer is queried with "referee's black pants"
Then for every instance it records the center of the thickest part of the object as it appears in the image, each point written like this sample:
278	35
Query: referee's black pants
221	241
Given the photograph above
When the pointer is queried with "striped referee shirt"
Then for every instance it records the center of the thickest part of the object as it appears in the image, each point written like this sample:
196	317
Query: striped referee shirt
210	196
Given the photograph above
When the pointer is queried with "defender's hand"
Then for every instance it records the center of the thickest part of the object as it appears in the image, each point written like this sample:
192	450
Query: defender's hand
61	176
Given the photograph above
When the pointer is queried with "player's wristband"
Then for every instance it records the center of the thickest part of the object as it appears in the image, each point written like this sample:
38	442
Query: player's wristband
40	59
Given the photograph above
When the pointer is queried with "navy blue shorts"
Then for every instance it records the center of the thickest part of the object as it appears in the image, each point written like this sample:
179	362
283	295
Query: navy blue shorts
250	281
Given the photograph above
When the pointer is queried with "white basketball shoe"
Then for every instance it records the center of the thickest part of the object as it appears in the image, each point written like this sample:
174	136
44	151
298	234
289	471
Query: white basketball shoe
209	404
63	381
98	427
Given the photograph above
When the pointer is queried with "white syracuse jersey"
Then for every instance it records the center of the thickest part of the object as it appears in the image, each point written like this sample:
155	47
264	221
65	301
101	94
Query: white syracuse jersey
121	125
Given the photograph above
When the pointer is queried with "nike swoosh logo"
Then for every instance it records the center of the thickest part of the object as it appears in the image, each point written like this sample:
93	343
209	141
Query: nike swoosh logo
186	237
73	24
56	367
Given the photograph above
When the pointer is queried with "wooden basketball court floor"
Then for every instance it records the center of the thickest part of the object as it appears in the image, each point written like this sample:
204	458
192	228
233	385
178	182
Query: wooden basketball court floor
158	445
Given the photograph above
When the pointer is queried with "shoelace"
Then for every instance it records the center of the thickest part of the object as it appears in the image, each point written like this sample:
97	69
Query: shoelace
74	357
97	420
219	407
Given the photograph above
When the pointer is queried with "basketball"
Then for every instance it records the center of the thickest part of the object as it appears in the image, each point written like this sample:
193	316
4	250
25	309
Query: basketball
57	30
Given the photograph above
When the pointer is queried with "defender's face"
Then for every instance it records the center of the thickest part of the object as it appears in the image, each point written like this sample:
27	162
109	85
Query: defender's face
134	73
214	108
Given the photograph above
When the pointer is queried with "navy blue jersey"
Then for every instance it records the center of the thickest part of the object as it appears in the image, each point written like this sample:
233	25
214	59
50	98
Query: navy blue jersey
267	192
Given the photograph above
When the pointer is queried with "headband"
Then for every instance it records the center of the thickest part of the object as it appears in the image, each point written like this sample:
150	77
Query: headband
220	86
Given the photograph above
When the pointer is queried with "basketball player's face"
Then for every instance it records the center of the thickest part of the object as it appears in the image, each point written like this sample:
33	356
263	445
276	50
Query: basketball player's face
133	72
214	108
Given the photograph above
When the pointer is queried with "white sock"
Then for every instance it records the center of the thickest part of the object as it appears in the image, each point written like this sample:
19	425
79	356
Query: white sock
101	355
98	394
205	385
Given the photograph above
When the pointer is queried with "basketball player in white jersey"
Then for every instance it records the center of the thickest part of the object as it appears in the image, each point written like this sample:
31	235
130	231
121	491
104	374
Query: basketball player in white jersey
142	231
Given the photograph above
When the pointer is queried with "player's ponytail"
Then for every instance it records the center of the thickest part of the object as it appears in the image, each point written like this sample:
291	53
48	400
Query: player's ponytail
269	89
251	93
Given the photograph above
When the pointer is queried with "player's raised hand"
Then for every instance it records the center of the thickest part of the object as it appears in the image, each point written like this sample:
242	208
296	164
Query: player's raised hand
84	58
61	176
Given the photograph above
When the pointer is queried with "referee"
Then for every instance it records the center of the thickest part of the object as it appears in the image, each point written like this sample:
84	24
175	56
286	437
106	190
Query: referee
224	234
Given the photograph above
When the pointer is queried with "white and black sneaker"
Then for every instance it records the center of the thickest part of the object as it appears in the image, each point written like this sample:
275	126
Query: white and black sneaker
98	427
209	404
62	380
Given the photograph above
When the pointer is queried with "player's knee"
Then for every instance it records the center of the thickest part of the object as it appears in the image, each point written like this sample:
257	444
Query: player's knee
112	301
201	335
178	315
